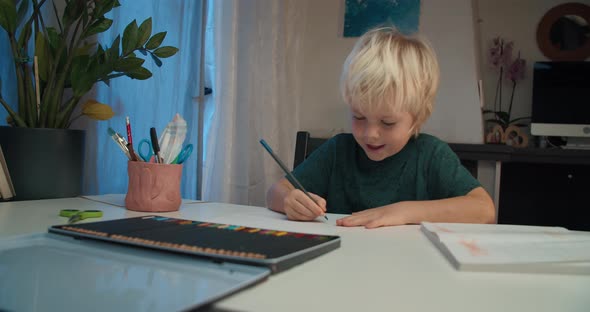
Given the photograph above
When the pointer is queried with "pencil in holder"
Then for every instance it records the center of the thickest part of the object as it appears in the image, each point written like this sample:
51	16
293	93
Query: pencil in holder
153	187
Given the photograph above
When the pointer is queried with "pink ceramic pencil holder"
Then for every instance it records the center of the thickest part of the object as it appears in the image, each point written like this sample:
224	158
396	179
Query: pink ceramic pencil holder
153	187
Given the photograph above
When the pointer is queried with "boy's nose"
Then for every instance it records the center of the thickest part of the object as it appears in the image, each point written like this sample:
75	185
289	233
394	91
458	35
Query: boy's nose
371	132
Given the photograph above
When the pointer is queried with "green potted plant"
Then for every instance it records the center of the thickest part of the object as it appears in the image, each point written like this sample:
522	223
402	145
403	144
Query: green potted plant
56	66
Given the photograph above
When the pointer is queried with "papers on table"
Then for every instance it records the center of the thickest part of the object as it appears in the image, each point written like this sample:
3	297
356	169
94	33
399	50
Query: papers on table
511	248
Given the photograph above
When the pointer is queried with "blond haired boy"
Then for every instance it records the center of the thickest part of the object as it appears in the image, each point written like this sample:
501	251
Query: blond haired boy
386	172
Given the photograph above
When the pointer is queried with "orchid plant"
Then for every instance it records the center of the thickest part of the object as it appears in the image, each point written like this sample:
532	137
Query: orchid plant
509	70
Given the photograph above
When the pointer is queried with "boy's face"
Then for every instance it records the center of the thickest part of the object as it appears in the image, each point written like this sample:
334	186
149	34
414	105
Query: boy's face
381	134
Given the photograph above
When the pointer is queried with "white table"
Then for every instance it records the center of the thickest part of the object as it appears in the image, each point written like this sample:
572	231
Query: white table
385	269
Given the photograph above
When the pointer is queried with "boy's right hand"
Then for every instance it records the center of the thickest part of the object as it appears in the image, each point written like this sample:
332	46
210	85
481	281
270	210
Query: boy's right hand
300	207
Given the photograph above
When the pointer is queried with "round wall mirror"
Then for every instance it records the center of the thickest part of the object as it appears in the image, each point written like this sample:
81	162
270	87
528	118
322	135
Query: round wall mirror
563	33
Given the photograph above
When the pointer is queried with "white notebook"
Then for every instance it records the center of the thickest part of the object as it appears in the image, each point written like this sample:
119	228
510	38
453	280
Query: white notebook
511	248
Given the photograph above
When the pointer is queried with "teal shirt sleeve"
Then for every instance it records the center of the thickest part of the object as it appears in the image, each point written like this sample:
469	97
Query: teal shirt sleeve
446	177
315	172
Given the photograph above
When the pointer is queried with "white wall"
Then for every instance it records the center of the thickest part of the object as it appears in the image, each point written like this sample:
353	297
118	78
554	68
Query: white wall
447	24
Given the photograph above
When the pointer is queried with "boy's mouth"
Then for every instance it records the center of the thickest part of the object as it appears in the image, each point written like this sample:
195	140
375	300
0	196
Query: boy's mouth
374	147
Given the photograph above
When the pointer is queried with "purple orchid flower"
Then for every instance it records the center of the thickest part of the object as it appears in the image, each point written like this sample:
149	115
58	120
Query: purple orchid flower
513	70
516	70
500	53
495	52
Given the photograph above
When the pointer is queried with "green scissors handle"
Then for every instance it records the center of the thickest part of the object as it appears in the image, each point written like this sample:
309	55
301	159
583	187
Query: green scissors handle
76	215
185	152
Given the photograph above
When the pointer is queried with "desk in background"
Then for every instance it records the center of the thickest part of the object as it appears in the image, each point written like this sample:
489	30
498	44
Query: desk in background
535	186
385	269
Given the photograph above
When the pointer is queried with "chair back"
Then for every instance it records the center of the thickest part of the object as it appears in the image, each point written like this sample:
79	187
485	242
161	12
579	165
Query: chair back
304	145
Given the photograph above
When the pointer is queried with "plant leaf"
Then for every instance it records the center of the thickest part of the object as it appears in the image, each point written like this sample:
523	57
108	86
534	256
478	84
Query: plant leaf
81	77
130	37
100	56
128	64
165	52
113	51
85	15
104	69
96	110
156	60
99	26
72	12
53	38
21	12
503	116
139	73
103	7
145	31
155	41
86	48
25	35
8	15
43	56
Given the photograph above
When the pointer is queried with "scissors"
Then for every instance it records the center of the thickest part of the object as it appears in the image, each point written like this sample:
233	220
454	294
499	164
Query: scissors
185	152
146	156
76	215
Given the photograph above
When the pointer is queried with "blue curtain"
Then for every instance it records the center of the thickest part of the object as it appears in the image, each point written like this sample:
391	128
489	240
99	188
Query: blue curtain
173	88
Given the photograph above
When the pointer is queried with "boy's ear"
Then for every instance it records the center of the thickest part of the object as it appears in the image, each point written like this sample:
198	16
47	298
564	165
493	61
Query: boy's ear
415	129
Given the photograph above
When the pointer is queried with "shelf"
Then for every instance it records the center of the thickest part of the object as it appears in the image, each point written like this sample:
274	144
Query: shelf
505	153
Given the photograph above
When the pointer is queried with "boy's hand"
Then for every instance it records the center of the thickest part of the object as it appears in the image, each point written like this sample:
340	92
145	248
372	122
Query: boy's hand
300	207
375	217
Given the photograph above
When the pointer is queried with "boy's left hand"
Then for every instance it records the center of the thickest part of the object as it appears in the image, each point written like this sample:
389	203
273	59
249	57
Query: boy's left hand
375	217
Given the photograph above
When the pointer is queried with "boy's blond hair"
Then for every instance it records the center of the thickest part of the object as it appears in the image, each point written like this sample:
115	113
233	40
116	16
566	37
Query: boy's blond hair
391	71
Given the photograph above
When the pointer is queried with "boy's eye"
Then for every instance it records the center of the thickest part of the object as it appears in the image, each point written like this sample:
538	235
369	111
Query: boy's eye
358	117
389	124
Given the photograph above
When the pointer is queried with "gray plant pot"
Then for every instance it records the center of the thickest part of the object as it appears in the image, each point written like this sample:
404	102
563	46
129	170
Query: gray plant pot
44	163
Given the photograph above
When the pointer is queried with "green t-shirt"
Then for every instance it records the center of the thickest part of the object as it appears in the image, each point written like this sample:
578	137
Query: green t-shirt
425	169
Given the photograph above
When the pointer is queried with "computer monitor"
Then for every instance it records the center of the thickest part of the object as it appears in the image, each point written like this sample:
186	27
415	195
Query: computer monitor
561	101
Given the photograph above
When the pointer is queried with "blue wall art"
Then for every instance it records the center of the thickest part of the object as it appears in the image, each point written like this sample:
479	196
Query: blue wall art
362	15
